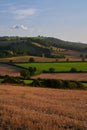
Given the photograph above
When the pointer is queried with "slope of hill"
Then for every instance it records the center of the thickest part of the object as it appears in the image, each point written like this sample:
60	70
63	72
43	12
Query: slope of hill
38	46
21	47
49	41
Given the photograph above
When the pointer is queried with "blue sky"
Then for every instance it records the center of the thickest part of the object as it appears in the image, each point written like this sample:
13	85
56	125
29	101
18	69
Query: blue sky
63	19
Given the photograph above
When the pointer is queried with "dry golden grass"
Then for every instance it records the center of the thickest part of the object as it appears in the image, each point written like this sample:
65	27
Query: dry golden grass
27	108
26	59
72	56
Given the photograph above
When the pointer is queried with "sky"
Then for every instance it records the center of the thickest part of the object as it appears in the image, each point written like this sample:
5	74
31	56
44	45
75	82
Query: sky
63	19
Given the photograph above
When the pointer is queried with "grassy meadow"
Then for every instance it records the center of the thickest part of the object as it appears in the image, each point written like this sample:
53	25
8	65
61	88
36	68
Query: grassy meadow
27	82
59	67
85	84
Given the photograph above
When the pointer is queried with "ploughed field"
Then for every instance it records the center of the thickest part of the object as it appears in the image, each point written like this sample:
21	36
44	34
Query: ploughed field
9	70
63	76
30	108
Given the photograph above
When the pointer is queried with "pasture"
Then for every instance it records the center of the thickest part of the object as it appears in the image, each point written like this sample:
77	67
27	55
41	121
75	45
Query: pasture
30	108
59	67
85	84
27	82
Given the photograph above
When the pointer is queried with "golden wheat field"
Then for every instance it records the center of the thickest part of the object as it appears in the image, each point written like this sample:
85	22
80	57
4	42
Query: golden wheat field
30	108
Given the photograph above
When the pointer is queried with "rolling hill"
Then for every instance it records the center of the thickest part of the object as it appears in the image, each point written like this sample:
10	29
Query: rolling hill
39	46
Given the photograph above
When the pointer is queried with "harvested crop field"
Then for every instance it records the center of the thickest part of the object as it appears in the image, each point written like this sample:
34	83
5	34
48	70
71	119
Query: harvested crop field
30	108
63	76
9	70
26	59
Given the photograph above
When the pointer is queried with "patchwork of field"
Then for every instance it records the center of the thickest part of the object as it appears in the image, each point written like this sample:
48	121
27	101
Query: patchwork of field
14	71
30	108
63	76
26	59
69	56
60	67
9	70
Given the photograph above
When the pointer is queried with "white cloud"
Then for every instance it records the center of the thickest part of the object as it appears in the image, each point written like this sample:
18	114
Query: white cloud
24	13
19	27
15	27
24	27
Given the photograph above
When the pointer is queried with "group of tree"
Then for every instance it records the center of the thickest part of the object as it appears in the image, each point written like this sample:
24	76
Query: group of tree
60	84
27	73
12	80
49	83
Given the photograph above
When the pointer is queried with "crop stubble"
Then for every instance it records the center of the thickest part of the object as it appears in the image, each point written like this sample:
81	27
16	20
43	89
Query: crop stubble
28	108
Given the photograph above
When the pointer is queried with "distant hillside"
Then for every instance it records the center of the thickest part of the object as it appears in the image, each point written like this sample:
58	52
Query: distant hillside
37	46
49	41
21	46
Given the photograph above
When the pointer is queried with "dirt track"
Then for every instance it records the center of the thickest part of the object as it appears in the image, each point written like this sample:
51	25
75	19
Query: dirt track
64	76
9	70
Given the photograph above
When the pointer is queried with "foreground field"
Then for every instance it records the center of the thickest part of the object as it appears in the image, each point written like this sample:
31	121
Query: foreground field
65	66
28	108
63	76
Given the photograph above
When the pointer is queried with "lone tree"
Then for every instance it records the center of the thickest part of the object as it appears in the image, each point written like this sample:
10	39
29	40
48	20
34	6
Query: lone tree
31	60
51	70
32	70
25	73
67	59
82	57
73	70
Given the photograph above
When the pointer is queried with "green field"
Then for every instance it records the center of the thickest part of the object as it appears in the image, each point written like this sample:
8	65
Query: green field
85	84
27	82
1	79
59	67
